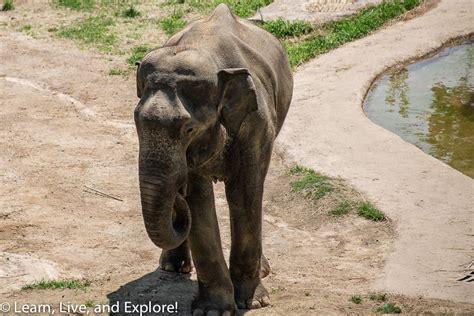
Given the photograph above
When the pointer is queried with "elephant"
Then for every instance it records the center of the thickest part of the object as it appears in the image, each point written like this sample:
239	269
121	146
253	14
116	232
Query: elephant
213	99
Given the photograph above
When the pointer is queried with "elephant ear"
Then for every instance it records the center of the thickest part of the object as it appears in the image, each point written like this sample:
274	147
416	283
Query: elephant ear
139	84
238	97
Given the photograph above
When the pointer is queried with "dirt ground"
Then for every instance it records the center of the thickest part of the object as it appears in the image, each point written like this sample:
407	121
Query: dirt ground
67	125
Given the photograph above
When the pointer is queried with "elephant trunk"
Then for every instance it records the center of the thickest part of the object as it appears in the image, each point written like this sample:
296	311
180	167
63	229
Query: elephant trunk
165	211
162	169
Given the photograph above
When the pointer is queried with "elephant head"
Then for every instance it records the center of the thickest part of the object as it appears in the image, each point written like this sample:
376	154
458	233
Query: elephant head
187	107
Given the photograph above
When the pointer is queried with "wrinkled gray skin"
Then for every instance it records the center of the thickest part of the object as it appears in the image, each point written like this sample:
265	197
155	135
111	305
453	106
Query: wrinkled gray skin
212	101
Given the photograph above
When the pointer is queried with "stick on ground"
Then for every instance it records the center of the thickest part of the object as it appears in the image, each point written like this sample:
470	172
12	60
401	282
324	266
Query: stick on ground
103	193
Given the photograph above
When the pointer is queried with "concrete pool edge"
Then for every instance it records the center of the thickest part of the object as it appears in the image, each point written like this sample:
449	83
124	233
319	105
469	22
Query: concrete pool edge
327	130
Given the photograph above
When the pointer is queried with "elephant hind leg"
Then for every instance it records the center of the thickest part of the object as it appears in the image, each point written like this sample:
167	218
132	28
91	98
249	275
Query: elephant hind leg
177	259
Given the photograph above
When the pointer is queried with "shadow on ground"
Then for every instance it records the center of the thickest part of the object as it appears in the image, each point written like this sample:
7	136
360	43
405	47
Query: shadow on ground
158	287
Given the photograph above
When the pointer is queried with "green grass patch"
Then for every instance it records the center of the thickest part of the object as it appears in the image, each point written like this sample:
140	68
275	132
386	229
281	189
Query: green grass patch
339	199
356	299
26	28
93	30
76	4
342	209
311	184
130	12
138	52
370	212
389	308
173	23
90	303
297	170
242	8
282	28
118	72
57	284
378	297
334	34
8	5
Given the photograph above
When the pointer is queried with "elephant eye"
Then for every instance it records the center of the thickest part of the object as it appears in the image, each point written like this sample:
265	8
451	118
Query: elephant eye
193	94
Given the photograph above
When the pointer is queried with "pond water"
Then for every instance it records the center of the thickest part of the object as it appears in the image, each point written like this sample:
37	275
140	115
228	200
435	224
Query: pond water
431	105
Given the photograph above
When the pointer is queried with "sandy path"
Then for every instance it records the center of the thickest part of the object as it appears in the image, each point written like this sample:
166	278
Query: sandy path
316	11
432	203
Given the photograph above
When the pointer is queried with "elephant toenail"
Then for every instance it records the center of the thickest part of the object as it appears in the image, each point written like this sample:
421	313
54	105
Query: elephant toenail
255	304
198	312
169	267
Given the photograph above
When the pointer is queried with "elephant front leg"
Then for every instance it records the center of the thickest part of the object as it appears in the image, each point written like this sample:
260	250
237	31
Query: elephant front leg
177	259
247	265
216	293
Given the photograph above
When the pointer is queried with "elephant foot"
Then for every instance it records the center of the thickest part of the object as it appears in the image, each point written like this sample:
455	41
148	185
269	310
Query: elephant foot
176	260
251	297
213	305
